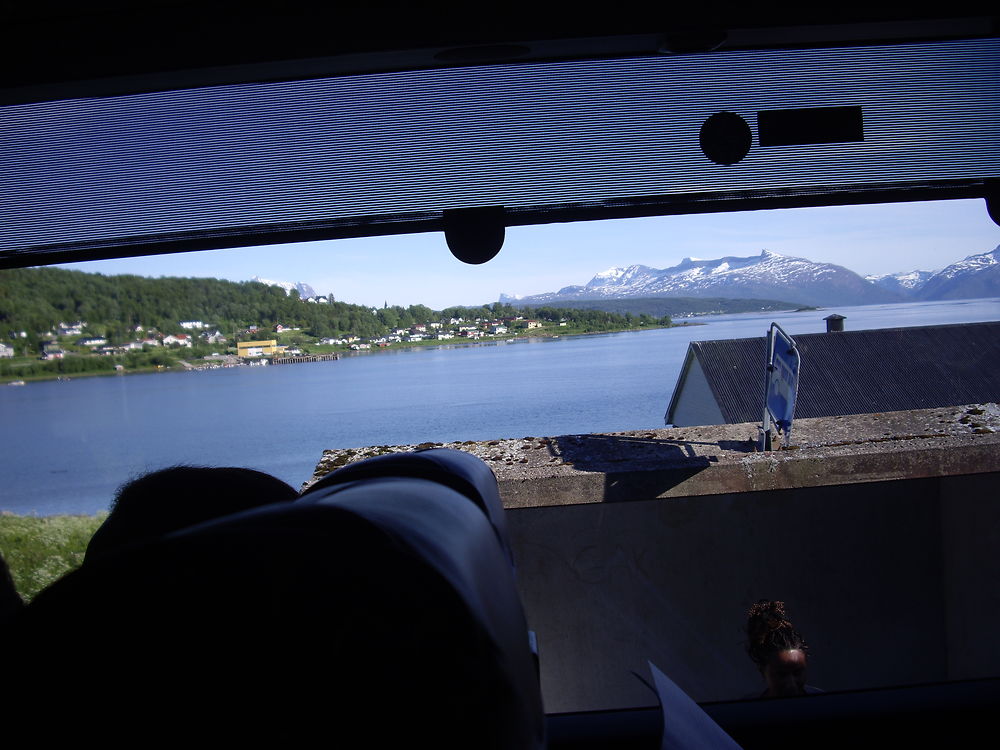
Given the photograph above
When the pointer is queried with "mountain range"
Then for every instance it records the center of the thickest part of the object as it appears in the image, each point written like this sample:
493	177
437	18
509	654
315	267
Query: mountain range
773	276
976	276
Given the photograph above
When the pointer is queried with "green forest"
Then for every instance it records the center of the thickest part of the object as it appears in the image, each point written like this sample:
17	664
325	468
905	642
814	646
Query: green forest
35	300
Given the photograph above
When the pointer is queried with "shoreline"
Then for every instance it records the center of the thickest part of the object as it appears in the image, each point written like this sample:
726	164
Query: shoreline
448	343
25	379
403	346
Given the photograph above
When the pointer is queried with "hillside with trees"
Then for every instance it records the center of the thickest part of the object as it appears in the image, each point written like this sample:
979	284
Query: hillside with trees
35	300
136	318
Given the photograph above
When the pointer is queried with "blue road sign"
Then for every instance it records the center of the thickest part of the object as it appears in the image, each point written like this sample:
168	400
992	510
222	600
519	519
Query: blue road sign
782	381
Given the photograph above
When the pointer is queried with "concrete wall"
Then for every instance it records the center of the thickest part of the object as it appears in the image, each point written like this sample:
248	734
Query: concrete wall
880	531
890	582
970	523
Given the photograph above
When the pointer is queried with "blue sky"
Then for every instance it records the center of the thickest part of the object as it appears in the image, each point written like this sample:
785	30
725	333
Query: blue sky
417	268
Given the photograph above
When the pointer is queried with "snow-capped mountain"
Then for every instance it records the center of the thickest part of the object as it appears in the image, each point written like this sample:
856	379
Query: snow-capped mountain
303	289
765	276
976	276
906	284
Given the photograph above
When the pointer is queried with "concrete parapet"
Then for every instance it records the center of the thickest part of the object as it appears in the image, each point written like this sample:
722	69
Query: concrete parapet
692	461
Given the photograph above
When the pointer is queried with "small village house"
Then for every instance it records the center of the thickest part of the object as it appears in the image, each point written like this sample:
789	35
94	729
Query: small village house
51	350
181	339
71	329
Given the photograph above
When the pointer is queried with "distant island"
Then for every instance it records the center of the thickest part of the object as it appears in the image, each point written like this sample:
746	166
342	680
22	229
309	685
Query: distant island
677	307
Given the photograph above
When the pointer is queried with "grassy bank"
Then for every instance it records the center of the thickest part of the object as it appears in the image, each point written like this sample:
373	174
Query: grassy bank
6	379
41	549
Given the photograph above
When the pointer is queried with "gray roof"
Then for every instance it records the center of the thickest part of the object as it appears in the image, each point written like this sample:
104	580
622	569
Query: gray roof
861	372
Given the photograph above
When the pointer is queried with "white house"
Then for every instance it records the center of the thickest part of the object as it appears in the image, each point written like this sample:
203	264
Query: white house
70	329
181	338
190	325
6	351
52	351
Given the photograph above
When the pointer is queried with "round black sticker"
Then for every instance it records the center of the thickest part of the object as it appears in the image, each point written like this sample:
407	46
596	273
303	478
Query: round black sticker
725	138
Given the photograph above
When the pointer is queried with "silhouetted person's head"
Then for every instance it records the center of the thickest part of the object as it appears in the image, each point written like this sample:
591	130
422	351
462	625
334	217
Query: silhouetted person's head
777	648
181	496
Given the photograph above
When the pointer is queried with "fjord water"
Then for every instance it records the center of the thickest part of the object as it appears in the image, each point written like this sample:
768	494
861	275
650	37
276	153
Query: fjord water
66	446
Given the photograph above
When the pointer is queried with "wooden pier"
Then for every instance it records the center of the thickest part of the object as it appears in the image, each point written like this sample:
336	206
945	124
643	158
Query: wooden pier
304	358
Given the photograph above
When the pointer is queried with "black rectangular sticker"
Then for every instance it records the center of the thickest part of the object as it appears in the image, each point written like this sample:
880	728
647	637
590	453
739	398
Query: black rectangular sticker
798	127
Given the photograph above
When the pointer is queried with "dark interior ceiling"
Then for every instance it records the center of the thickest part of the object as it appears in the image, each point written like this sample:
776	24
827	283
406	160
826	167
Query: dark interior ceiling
108	48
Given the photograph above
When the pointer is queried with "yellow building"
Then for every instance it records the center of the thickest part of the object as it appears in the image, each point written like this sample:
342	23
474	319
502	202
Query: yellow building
258	348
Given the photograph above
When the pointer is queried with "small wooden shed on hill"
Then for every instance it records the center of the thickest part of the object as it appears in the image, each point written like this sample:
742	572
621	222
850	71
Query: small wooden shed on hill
846	372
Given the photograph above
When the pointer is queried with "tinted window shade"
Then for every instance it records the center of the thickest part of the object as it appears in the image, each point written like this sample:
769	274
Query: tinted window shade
387	153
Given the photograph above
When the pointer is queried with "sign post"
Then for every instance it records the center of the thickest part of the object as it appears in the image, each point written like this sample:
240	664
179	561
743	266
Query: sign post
781	386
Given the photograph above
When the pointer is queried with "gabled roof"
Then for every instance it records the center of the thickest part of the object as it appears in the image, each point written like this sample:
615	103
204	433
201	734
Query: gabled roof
858	372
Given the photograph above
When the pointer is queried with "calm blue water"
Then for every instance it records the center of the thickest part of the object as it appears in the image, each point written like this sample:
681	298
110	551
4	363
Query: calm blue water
66	446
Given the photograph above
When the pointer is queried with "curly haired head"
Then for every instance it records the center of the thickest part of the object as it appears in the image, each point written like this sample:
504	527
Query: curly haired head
769	632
